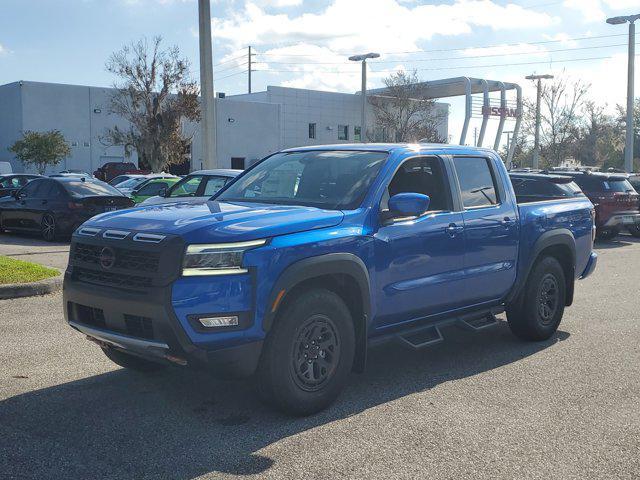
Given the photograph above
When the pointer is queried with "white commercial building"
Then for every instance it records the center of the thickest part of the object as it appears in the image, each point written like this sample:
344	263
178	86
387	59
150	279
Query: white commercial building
248	127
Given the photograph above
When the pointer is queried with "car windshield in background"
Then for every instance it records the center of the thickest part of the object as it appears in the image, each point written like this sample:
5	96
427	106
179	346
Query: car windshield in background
592	183
620	185
323	179
132	182
187	187
90	189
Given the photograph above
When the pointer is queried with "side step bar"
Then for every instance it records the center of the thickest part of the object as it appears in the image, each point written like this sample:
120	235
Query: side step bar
428	335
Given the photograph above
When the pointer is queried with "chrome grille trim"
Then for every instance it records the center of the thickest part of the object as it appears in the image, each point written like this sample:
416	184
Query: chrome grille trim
116	234
88	231
148	237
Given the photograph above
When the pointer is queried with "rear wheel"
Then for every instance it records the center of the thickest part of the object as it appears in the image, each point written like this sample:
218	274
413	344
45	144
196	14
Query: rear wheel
607	234
308	354
538	313
48	227
131	361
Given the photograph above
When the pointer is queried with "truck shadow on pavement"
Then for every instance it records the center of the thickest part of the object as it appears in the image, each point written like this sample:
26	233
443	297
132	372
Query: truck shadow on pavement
182	424
617	242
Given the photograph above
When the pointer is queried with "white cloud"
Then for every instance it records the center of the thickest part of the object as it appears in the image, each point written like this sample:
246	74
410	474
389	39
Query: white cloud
3	50
353	25
591	10
620	4
278	3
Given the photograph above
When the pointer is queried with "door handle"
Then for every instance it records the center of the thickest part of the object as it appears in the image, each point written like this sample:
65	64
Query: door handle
507	222
453	229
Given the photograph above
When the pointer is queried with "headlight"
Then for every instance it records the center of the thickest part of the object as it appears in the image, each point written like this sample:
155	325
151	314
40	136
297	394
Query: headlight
216	258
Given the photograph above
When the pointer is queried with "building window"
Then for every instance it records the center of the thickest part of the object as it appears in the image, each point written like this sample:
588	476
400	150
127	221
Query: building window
357	134
343	132
237	163
312	130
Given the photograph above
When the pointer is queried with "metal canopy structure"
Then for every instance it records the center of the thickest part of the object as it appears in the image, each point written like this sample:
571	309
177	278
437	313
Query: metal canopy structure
467	87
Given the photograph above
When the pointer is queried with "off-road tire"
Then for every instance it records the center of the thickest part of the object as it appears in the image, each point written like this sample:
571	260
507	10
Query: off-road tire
308	354
538	312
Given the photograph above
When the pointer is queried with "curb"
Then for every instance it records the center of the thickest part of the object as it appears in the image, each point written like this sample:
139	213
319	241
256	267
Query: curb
41	287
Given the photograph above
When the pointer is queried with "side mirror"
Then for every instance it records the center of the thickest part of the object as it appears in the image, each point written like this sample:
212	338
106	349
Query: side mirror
163	192
408	204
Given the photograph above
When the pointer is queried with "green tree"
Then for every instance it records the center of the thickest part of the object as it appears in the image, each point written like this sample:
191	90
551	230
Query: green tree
41	149
155	95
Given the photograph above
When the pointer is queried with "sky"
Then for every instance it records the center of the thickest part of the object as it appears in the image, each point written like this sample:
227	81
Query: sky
306	43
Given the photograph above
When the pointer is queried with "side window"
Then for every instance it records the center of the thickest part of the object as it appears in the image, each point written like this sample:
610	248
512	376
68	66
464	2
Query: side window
477	184
421	175
343	132
186	187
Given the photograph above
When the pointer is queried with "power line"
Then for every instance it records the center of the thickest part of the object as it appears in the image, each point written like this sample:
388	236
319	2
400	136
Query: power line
230	60
232	67
232	75
540	52
542	42
546	62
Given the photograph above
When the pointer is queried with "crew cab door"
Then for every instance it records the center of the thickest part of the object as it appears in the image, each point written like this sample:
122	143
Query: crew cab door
419	261
491	229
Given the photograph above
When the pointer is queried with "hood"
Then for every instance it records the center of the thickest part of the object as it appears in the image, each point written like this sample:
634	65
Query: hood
212	222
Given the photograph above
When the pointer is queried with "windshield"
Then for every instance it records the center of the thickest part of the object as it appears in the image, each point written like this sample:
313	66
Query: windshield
187	187
324	179
132	182
88	189
622	186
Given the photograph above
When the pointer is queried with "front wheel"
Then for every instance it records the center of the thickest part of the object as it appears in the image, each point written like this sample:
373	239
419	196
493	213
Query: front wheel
48	227
539	312
635	230
308	354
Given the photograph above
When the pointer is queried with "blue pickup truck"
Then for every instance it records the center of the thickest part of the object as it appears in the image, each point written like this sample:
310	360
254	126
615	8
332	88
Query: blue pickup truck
312	256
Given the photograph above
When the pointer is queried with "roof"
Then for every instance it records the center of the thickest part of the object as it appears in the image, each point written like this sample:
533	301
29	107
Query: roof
388	147
223	172
456	86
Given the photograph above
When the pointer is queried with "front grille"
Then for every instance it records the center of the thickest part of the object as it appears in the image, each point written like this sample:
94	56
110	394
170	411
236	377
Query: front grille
126	259
113	279
138	326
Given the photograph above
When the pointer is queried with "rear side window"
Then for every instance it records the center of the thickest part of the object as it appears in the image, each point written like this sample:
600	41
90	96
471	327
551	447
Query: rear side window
152	188
213	185
477	184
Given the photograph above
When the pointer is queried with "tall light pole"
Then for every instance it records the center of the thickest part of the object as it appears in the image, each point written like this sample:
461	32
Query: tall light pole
628	148
363	92
536	144
208	121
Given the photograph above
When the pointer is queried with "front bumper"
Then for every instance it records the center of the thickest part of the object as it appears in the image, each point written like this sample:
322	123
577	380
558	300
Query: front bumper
622	219
119	319
591	266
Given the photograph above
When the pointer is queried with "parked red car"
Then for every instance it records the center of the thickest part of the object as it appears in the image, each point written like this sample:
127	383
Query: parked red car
112	169
616	202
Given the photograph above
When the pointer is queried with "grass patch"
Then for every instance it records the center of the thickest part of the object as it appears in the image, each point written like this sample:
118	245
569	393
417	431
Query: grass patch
18	271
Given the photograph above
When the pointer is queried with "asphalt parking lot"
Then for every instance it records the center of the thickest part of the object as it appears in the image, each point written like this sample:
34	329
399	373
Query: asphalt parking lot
480	405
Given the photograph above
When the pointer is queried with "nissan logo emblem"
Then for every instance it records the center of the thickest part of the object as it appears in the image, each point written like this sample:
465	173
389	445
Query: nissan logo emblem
107	258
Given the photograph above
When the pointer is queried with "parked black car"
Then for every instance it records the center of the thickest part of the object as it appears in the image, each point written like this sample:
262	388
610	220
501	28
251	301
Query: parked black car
13	182
57	206
540	185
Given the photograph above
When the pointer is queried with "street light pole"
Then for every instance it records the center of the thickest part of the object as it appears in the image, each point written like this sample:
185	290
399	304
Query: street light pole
208	121
536	144
628	148
363	91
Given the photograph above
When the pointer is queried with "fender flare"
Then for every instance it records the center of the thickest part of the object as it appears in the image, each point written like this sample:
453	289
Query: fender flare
560	236
312	267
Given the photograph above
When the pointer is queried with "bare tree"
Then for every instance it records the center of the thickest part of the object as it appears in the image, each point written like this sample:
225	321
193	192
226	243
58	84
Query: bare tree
155	94
403	113
601	138
561	111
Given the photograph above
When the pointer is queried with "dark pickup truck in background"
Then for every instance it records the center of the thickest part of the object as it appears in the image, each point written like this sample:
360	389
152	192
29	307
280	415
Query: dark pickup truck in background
111	170
313	255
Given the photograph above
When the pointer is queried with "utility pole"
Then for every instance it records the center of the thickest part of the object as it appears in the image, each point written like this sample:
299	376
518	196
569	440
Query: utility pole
475	136
208	121
536	144
628	148
249	71
363	91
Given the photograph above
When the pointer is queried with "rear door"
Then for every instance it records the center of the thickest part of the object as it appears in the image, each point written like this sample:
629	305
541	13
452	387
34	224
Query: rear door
491	229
